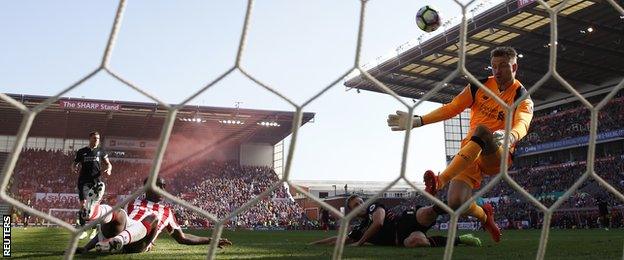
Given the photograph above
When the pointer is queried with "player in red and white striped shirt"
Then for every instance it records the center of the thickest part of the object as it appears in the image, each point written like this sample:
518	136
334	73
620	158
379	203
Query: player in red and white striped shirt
136	232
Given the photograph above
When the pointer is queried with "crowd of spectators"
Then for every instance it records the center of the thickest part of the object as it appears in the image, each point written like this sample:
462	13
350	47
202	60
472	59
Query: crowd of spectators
553	180
49	171
547	184
227	187
572	120
44	171
218	187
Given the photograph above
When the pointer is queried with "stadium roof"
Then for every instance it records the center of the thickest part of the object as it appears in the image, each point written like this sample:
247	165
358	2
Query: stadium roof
71	119
589	59
357	185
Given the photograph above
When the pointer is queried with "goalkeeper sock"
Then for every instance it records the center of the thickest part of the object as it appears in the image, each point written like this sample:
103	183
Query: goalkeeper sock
466	156
476	212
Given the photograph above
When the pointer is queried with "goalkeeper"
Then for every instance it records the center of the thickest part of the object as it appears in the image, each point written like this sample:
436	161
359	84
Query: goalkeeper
481	151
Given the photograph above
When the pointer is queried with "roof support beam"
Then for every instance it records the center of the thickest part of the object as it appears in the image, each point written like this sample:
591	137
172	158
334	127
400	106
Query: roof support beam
537	54
420	87
455	81
486	62
538	74
546	56
546	37
577	21
433	65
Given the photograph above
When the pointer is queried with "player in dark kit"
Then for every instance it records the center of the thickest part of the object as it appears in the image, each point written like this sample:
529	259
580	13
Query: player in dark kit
325	220
603	212
90	188
406	228
26	216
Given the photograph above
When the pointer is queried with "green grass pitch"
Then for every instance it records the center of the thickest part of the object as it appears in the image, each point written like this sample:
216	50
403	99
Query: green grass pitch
49	243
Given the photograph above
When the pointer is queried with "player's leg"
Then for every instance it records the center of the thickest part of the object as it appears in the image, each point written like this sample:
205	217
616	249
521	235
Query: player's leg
115	226
482	141
109	229
93	193
81	198
460	191
425	219
488	164
26	219
99	210
604	219
426	216
143	245
134	231
82	212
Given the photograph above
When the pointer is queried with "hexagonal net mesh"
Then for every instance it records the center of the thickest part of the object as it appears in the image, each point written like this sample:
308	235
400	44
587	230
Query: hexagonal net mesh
30	113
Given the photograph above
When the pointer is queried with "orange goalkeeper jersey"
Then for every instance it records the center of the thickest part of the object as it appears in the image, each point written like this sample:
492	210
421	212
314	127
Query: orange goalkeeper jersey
486	111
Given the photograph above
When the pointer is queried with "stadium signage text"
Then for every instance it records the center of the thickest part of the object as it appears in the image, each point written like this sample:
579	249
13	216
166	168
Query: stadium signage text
461	225
85	105
583	140
55	196
130	144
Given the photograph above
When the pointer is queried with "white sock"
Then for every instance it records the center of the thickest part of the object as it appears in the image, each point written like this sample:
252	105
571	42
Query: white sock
101	210
134	231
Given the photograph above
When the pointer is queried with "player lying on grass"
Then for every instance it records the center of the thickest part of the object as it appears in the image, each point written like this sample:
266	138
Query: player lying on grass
136	232
481	151
407	228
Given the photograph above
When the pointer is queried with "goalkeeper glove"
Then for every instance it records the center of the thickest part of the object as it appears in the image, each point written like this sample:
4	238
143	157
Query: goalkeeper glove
400	121
499	138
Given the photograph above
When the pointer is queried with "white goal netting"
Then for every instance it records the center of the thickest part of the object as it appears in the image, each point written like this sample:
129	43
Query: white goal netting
31	113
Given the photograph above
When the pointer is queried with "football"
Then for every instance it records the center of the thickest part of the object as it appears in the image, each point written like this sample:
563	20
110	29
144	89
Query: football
428	19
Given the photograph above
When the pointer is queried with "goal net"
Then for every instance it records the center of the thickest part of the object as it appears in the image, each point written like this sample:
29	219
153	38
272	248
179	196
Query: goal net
58	216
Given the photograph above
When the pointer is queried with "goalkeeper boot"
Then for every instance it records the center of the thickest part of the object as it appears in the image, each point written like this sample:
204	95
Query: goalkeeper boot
490	225
470	240
431	182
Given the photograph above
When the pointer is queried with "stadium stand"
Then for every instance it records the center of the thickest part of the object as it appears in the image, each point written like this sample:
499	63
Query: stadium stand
218	187
572	120
226	186
203	137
